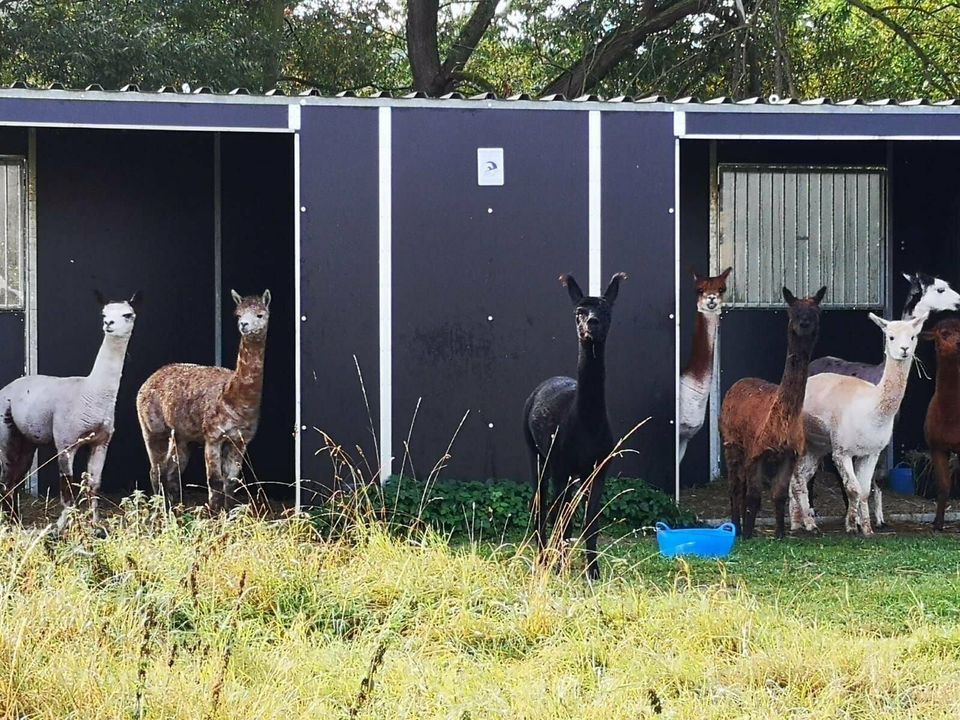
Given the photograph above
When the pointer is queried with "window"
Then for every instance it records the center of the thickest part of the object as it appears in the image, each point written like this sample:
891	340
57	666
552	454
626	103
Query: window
13	223
803	227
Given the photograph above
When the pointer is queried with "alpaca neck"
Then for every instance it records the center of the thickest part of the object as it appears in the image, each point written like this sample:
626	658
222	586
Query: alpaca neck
948	379
246	384
893	385
793	384
700	367
911	307
108	367
590	400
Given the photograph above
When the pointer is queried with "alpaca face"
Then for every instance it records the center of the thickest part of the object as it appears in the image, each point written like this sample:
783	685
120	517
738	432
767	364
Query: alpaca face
710	291
900	336
946	337
118	319
936	295
593	313
253	313
804	313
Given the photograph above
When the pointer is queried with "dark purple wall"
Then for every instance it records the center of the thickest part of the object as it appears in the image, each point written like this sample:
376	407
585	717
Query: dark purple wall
339	284
639	238
464	254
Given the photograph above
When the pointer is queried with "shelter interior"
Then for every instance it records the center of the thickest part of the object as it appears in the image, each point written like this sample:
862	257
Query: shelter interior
183	217
922	225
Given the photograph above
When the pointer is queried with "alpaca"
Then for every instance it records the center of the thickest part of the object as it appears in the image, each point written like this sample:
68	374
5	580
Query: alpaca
567	430
927	295
68	412
942	426
852	420
761	423
696	378
180	405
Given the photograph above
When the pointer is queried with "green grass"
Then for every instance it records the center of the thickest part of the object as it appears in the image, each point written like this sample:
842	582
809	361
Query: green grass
254	619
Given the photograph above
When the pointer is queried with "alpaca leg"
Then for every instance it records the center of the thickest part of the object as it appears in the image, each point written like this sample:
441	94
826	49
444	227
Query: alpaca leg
878	505
591	529
736	483
941	471
157	449
851	487
213	455
98	456
682	449
16	457
230	472
541	498
178	455
753	474
67	493
800	483
864	467
780	492
559	515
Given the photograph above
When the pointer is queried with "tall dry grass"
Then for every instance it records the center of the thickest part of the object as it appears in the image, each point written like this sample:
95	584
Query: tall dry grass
246	618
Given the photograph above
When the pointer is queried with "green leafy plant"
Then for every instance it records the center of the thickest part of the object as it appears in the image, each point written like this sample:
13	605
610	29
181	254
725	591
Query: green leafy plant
485	507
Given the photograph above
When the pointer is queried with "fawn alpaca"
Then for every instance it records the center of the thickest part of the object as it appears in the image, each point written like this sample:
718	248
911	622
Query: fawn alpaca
942	426
68	412
696	378
852	421
183	404
761	423
567	430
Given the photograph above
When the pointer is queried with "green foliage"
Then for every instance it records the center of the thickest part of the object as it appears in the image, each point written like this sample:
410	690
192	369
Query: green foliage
478	508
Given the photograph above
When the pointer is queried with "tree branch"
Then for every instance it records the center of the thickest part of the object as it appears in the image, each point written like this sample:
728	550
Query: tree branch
468	39
620	43
949	88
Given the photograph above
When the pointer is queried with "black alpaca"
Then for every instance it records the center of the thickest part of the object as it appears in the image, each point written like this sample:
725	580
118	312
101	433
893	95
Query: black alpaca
575	411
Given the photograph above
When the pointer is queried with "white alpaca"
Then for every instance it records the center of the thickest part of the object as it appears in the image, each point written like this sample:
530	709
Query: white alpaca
852	420
68	412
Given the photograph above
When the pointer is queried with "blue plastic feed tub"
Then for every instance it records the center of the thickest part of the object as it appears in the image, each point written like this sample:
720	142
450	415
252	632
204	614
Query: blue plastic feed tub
901	480
702	542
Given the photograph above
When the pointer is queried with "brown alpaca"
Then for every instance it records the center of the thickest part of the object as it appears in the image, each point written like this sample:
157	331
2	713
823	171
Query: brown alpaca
942	427
180	405
695	381
762	425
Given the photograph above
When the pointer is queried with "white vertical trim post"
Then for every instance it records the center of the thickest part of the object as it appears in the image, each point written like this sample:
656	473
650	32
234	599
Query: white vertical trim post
386	292
594	161
714	244
217	254
678	130
33	482
297	325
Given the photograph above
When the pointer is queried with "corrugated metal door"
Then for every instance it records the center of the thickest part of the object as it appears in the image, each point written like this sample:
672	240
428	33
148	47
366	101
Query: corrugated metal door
13	295
803	227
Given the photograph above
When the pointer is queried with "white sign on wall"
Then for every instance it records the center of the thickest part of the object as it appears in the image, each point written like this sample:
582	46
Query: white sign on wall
489	166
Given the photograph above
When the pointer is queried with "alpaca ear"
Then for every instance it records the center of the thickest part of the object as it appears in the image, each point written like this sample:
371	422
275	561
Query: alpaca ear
613	289
908	277
236	296
136	299
788	296
697	277
576	294
918	321
878	321
726	272
818	298
266	298
100	298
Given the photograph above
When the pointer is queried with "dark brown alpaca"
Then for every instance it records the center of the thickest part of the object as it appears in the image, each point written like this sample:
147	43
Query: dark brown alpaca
182	404
942	428
761	423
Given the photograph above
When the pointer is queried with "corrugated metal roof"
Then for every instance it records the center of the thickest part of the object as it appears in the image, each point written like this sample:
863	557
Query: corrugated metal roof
771	101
